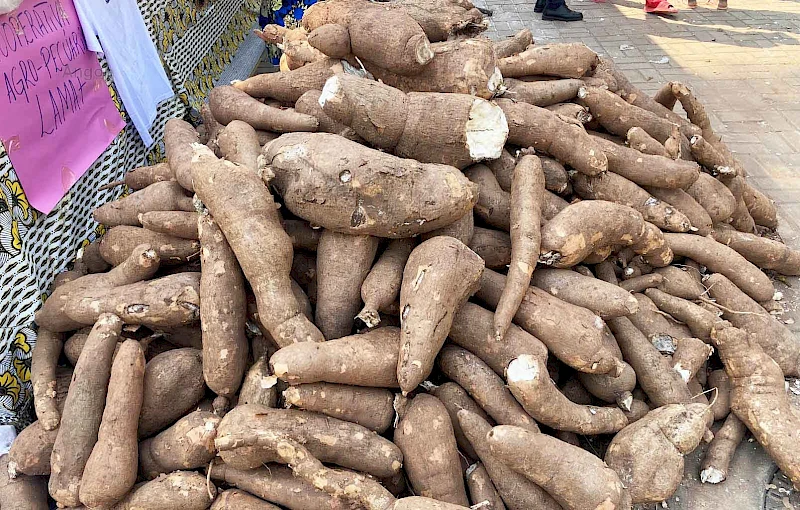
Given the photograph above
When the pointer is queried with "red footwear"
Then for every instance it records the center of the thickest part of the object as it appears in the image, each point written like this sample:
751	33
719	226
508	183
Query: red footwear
659	7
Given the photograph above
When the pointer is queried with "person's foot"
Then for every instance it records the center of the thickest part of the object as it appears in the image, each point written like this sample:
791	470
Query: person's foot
539	7
722	5
659	7
692	4
561	13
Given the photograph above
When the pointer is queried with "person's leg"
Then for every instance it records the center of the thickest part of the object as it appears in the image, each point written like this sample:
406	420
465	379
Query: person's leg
539	7
692	4
557	10
722	5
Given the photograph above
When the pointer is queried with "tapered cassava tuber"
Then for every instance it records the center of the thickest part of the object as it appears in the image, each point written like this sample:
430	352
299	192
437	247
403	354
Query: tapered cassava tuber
335	170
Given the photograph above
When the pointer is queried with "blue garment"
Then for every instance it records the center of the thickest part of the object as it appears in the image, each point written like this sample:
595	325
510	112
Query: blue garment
116	28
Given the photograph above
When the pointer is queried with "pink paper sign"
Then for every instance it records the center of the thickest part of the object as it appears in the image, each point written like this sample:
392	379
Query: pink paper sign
56	112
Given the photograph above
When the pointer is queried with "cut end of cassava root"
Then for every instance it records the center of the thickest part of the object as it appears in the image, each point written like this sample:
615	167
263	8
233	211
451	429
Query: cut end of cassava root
487	130
712	475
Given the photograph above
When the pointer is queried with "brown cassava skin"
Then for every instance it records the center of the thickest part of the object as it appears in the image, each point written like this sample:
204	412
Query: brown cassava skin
571	111
638	139
721	259
556	178
482	489
430	455
698	319
110	471
602	298
615	188
740	310
302	234
340	170
493	246
707	155
503	169
142	263
181	490
403	47
188	444
167	301
648	455
483	385
553	465
653	372
333	441
308	104
91	259
572	334
513	45
44	360
259	385
140	178
368	407
761	251
541	93
494	204
689	357
714	196
527	194
287	87
211	126
234	499
530	384
159	196
441	19
229	103
31	449
246	213
714	468
332	40
381	286
428	127
607	272
740	219
459	66
368	359
23	492
83	411
761	207
173	384
653	324
179	136
721	396
759	399
618	116
119	242
607	387
238	143
472	330
531	126
581	228
462	229
222	311
642	282
679	283
174	223
646	169
518	492
343	262
278	484
456	398
565	60
440	275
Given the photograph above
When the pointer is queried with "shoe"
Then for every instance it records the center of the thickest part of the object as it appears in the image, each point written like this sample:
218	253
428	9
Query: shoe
539	7
659	7
562	13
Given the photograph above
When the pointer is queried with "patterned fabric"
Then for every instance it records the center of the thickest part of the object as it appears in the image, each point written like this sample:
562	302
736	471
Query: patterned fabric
195	43
286	13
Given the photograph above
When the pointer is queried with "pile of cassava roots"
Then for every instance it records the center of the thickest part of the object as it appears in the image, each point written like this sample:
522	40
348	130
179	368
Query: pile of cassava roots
416	270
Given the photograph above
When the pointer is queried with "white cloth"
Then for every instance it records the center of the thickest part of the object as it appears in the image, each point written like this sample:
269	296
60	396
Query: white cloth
116	28
7	6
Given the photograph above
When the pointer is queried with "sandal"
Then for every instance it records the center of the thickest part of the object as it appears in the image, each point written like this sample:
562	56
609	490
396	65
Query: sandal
663	7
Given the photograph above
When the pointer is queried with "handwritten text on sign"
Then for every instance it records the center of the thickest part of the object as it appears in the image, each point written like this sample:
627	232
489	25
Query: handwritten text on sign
56	113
